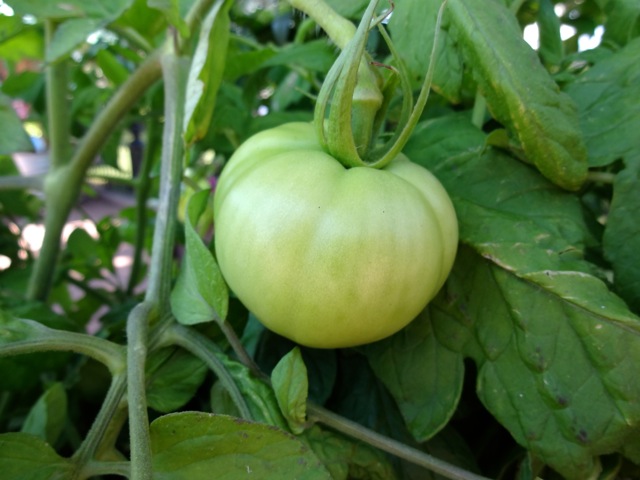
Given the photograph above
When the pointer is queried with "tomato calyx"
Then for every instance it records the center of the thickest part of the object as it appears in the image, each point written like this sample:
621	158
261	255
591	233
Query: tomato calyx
353	100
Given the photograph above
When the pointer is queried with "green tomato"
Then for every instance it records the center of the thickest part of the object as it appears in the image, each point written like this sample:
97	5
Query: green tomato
324	255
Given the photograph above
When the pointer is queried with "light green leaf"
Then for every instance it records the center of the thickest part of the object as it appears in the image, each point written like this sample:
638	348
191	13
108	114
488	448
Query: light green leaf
200	294
13	138
424	376
193	445
519	92
621	240
69	35
173	377
291	386
346	458
48	416
316	56
207	71
26	457
18	40
606	95
412	27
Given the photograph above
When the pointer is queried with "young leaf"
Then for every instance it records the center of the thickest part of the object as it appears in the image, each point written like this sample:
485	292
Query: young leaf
291	386
558	355
621	240
606	96
623	21
48	416
412	26
200	294
206	72
26	457
424	376
173	377
13	138
193	445
519	91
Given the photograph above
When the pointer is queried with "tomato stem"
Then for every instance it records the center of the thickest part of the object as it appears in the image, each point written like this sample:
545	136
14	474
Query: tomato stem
386	444
339	29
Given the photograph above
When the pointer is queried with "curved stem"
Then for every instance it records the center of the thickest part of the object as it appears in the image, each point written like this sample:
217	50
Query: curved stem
389	445
94	469
339	29
206	350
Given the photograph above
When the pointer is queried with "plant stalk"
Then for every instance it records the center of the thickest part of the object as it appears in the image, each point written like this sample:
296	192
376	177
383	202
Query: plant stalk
400	450
339	29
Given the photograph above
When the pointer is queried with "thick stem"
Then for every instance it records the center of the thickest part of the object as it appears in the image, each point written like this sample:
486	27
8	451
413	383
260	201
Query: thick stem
175	73
137	330
58	105
389	445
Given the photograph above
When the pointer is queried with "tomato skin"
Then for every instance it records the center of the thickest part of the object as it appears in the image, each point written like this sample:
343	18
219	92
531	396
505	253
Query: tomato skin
327	256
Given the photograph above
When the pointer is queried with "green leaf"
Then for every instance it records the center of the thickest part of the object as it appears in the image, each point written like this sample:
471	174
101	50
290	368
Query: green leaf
316	56
346	458
623	21
112	68
412	26
424	376
69	35
606	96
206	72
505	210
48	416
519	92
171	10
551	49
19	40
13	138
291	386
558	355
621	240
200	294
173	377
193	445
25	457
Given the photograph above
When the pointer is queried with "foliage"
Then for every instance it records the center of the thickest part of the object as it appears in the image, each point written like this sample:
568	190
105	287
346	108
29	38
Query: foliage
525	365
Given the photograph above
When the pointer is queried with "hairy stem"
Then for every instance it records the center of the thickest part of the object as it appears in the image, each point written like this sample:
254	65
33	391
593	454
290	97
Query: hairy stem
137	330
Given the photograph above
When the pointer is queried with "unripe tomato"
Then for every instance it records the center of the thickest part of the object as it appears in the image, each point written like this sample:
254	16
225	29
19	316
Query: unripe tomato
324	255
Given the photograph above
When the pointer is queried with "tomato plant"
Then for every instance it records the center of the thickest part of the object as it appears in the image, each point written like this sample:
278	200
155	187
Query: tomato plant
319	239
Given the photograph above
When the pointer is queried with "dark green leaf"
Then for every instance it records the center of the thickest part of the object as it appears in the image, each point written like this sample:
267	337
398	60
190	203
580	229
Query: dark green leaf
346	458
206	72
412	26
505	210
173	377
48	416
200	294
606	95
25	457
13	138
622	234
193	445
317	56
112	68
623	21
291	386
558	356
519	91
424	376
18	40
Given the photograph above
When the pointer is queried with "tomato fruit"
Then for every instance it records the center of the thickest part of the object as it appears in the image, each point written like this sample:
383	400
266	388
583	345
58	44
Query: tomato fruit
324	255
